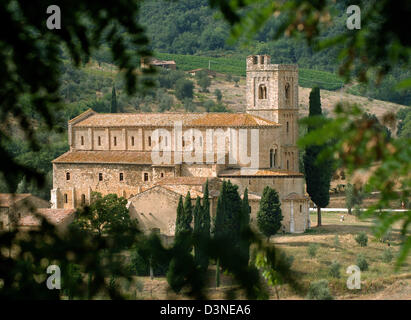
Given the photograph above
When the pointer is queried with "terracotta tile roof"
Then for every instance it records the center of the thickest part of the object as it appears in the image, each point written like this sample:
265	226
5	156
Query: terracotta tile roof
8	199
183	189
131	157
54	216
184	181
86	113
259	173
252	196
168	119
295	196
116	156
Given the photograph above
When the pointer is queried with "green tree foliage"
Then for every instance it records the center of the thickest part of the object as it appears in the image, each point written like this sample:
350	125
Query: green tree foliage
236	81
230	222
269	214
362	262
353	197
218	95
208	105
184	89
189	105
319	290
203	80
182	263
165	100
404	124
334	269
202	230
114	101
228	213
245	226
106	215
182	221
219	107
167	78
318	172
387	255
362	239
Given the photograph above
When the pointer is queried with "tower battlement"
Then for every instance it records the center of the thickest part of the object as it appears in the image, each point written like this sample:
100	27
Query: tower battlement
263	63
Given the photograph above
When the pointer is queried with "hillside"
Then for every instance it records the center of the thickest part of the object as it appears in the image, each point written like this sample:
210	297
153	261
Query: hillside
236	65
234	98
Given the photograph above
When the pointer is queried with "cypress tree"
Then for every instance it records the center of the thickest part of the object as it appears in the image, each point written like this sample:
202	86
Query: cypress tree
317	175
113	100
269	215
202	230
228	213
188	212
182	262
197	213
206	211
245	224
180	217
228	218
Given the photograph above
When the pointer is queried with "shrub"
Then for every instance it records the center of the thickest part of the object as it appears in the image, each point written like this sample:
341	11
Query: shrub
336	240
362	239
319	291
208	105
285	260
387	255
312	250
335	269
184	89
362	262
141	266
218	94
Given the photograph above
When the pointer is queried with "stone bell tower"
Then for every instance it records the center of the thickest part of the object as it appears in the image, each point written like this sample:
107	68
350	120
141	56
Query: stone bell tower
272	94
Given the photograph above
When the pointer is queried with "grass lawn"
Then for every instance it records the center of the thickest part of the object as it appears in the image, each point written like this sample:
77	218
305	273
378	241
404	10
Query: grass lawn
380	275
380	281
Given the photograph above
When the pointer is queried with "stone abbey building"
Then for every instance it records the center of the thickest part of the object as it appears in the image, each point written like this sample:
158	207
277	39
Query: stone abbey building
117	153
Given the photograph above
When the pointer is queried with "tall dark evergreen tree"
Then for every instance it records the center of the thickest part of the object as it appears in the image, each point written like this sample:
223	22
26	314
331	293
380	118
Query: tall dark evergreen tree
228	213
206	211
202	230
184	215
228	218
317	174
198	249
188	212
114	100
269	215
180	217
245	224
182	262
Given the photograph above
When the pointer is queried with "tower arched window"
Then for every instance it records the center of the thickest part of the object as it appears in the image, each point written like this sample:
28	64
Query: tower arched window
255	59
288	127
262	92
287	91
271	158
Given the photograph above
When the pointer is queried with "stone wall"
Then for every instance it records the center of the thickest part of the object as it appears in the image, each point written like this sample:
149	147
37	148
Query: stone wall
84	178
